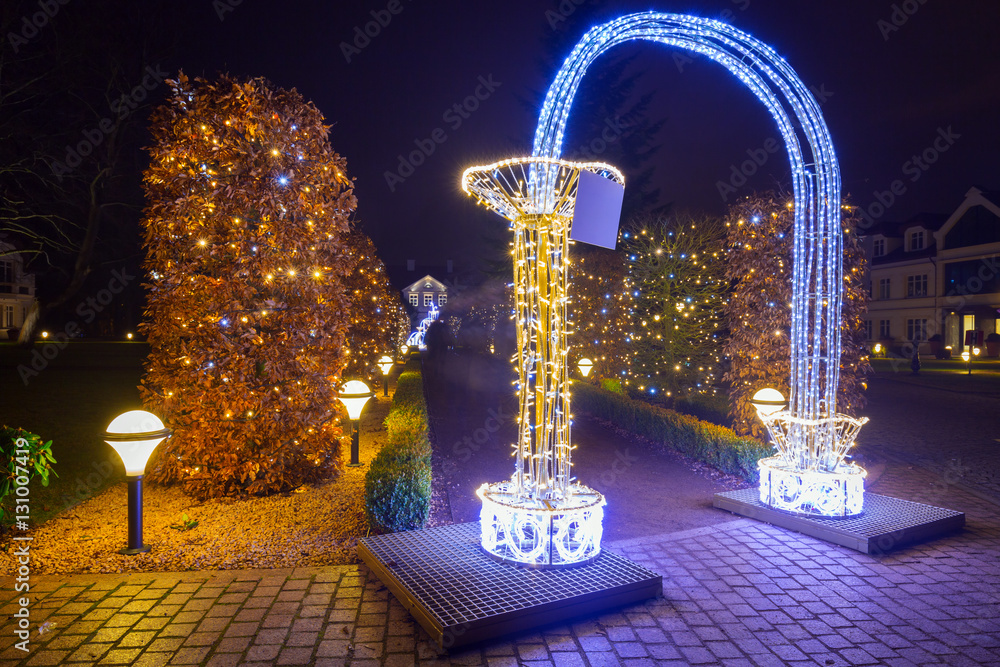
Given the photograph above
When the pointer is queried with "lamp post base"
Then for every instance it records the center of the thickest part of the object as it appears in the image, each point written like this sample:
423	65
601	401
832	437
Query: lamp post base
145	548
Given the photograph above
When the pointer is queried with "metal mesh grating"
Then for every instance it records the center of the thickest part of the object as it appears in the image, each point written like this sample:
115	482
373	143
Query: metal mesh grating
447	576
886	522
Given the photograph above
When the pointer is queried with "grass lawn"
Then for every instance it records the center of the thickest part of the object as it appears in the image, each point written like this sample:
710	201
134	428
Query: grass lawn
71	400
944	374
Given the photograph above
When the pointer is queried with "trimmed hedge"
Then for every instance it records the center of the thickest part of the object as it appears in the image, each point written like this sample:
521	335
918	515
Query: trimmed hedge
398	482
715	445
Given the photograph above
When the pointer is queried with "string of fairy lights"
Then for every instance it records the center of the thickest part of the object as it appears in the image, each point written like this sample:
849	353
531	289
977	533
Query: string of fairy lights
815	336
259	294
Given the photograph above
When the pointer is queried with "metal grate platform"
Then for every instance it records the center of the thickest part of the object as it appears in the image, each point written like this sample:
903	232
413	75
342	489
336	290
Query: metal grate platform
886	523
462	596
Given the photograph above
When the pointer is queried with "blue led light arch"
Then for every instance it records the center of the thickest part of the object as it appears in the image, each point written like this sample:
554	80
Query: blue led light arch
817	247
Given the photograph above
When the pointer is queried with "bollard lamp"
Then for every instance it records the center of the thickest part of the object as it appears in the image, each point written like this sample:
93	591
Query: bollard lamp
354	395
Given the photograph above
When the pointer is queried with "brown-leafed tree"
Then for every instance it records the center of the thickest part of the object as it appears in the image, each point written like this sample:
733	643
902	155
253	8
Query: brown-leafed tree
246	238
379	322
759	265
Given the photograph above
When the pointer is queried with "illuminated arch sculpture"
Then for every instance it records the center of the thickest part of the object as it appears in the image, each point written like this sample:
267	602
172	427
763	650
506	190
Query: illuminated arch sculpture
809	474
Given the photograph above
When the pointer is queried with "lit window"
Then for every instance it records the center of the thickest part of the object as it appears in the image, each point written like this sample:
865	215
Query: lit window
414	299
442	299
878	247
916	285
8	316
428	299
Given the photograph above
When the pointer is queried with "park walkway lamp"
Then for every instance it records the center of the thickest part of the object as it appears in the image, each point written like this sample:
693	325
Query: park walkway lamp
385	364
767	401
585	365
134	435
354	394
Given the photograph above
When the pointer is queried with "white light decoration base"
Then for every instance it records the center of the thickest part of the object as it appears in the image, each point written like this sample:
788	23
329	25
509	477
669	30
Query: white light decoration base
810	493
548	534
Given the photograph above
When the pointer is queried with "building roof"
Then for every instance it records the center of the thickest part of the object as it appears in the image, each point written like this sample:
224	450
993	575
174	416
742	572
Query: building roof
425	283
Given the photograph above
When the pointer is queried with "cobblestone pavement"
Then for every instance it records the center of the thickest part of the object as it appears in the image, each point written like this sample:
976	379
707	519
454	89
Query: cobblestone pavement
735	593
740	593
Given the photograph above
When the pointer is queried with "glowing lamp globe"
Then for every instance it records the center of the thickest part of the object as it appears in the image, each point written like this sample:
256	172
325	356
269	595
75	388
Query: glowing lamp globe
385	363
134	435
965	356
585	365
354	395
768	401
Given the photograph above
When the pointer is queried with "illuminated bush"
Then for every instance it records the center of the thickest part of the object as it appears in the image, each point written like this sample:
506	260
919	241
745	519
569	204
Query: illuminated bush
245	234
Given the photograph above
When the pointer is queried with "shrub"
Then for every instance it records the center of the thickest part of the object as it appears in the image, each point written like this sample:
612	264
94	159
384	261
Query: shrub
715	445
23	455
613	385
247	315
398	482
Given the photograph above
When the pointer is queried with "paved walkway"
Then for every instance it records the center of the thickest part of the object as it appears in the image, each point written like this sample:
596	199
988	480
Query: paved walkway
735	593
740	593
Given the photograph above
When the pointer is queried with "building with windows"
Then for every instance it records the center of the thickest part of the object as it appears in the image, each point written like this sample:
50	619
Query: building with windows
17	291
424	293
936	274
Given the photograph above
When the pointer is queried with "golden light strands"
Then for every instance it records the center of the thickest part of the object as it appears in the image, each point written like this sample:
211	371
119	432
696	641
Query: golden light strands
541	516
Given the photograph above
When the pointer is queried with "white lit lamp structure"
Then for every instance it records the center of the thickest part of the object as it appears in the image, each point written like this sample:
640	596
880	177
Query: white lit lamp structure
354	395
812	482
967	357
134	435
767	401
585	365
541	517
385	364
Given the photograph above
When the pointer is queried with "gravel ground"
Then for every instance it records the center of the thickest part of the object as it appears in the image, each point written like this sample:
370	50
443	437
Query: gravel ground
314	525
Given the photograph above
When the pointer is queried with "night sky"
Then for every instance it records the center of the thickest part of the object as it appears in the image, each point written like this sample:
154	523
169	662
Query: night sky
891	89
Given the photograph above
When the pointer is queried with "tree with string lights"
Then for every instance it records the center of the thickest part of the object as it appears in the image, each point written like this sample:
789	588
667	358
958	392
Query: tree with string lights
759	264
246	238
599	311
675	278
379	322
